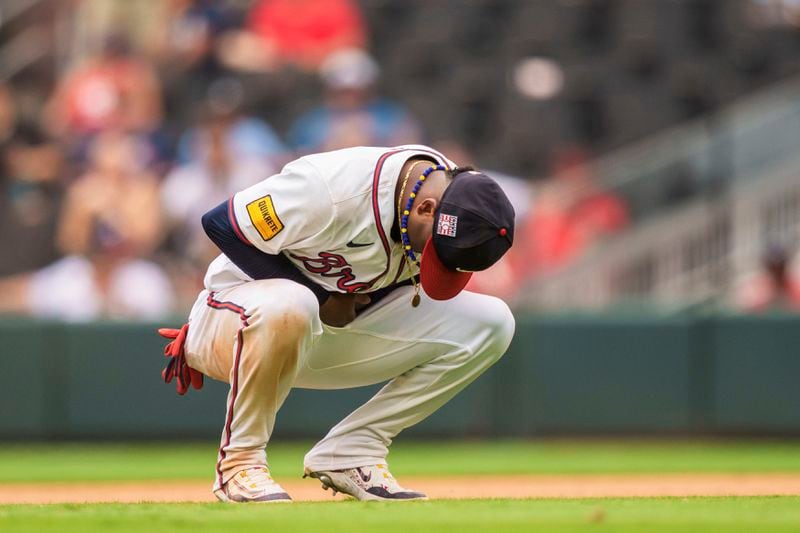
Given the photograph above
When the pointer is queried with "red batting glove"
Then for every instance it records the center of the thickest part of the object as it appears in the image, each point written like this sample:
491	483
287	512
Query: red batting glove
177	367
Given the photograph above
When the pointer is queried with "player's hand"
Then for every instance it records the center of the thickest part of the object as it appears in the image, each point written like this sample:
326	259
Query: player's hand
340	309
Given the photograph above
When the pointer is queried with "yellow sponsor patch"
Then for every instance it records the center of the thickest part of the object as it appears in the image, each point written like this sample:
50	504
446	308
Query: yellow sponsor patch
265	219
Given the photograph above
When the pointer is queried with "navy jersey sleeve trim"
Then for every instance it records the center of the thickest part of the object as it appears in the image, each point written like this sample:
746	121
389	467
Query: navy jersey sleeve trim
235	223
221	229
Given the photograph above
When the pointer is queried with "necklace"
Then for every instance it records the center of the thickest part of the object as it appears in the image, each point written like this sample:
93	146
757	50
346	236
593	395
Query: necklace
408	253
404	233
403	188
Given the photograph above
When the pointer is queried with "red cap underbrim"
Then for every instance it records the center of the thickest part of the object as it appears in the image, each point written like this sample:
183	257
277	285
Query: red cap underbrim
439	282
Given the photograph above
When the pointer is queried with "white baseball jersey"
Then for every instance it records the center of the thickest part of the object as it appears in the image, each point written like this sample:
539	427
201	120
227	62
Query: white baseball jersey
331	214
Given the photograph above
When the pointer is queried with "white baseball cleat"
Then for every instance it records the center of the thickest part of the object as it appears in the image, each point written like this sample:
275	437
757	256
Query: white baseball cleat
254	484
366	483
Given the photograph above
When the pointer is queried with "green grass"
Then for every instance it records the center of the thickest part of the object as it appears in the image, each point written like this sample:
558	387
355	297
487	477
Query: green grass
121	462
110	462
640	515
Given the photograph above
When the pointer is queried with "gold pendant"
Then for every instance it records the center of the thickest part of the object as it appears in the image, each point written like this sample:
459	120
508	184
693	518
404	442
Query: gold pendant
415	300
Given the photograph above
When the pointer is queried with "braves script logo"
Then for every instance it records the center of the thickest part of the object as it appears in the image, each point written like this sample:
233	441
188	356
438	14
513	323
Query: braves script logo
333	266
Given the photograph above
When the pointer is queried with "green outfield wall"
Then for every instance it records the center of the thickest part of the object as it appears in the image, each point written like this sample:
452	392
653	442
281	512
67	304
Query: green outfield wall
562	375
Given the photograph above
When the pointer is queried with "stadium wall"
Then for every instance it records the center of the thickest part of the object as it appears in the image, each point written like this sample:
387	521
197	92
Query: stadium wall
588	375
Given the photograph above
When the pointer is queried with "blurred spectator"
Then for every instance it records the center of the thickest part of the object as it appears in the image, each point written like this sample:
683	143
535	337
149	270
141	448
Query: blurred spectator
244	136
352	114
114	89
77	289
218	164
551	237
139	23
598	212
296	32
191	30
110	223
113	208
774	288
187	59
571	214
30	191
774	13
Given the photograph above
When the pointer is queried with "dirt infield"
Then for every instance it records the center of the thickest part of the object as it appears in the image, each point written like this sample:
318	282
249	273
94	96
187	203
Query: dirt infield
527	486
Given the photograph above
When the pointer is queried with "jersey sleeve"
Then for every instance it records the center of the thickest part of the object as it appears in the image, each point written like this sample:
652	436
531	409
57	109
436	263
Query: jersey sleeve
286	210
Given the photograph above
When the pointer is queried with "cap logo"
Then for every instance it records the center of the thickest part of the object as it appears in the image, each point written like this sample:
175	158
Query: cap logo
447	225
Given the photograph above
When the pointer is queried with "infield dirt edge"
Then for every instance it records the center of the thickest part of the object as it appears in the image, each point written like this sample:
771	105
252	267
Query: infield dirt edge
440	487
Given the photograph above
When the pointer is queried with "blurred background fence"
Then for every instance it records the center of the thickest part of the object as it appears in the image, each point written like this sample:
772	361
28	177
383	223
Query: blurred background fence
612	375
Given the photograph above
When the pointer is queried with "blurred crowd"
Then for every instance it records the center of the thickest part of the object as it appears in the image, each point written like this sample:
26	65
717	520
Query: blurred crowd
106	169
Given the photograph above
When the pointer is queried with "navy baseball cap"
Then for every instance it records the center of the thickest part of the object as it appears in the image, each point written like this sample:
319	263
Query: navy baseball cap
472	228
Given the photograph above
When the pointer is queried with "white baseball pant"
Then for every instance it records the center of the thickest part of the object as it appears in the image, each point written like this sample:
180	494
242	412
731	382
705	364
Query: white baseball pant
265	337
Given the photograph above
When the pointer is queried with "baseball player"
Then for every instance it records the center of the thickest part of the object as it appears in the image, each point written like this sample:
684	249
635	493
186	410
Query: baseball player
346	269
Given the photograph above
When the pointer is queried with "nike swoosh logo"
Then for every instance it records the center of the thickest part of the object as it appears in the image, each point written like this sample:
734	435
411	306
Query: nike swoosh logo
364	478
352	244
